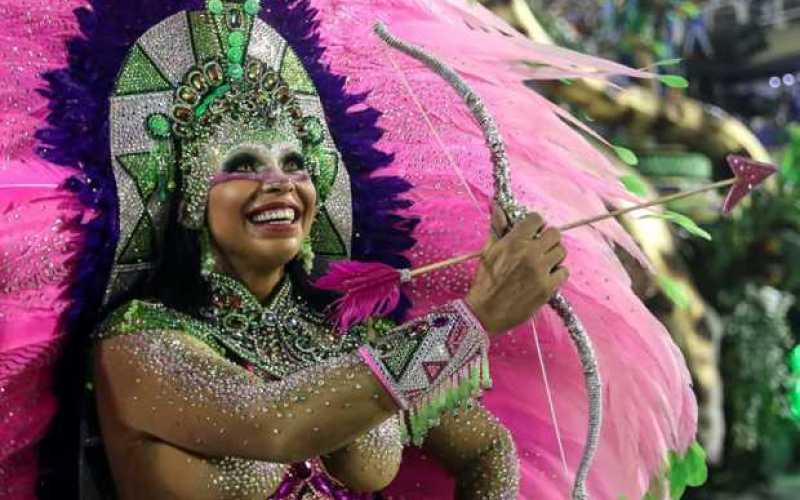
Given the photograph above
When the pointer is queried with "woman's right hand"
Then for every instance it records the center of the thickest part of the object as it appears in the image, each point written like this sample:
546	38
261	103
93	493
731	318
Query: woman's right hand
518	273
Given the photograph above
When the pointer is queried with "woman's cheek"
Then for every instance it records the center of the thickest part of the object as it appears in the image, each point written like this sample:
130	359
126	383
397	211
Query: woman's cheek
308	196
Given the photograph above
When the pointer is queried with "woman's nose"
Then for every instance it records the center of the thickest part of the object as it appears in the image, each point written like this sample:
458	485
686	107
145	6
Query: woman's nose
276	181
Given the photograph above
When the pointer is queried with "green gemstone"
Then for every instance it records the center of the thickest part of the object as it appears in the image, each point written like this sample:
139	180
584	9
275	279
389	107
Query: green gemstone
215	6
235	71
235	55
314	131
158	125
252	7
794	360
236	38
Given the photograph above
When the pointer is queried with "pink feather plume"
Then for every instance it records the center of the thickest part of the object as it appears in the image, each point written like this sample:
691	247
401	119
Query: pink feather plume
367	288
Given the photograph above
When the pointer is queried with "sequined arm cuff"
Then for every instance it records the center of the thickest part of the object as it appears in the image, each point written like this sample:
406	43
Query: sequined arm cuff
431	364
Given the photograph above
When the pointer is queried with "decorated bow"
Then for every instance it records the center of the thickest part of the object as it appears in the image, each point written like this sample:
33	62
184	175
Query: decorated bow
374	289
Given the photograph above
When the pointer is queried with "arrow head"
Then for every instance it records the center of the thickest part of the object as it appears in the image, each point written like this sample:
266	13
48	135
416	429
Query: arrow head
749	174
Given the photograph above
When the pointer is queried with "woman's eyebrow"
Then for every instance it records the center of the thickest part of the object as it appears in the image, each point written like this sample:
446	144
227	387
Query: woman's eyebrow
288	150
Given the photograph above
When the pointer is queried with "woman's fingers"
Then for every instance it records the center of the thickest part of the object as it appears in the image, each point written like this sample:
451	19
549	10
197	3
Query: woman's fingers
499	221
548	239
559	276
554	258
527	228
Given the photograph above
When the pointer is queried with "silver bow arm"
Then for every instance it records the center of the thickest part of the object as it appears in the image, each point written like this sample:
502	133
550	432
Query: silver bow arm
515	212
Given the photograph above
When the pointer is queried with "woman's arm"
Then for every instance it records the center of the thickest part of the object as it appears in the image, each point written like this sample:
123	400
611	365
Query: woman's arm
171	386
168	385
475	447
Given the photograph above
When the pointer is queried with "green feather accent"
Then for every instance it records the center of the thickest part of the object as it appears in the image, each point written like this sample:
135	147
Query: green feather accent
675	291
634	184
626	155
683	221
674	81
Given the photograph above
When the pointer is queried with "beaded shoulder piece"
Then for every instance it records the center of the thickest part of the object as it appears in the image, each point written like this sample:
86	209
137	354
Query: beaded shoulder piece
277	338
140	316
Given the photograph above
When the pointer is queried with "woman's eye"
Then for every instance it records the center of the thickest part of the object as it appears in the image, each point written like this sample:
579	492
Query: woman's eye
242	162
246	167
293	163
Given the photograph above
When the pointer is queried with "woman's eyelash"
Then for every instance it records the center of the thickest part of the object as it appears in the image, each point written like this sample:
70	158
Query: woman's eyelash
239	162
296	160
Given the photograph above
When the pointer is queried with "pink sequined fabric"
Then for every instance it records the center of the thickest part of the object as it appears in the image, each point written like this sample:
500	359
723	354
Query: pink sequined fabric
38	237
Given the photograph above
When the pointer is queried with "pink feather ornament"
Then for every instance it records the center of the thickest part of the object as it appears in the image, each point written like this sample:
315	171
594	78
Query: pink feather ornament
367	288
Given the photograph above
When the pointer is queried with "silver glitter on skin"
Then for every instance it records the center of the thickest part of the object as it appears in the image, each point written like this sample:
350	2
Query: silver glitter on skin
371	462
475	447
210	395
212	407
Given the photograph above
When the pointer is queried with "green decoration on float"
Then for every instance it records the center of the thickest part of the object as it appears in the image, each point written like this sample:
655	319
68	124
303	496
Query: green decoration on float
674	81
794	360
626	155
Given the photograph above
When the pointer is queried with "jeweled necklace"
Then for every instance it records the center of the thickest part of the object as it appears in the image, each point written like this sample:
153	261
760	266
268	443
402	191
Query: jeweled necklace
279	337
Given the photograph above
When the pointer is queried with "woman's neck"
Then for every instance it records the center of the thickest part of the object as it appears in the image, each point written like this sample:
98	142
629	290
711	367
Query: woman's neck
259	281
261	284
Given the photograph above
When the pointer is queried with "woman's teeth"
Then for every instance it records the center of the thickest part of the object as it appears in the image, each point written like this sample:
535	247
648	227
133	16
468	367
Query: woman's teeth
278	216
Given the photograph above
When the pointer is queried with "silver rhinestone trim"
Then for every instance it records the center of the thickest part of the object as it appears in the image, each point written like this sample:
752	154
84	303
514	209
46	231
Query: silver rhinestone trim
169	45
266	45
128	117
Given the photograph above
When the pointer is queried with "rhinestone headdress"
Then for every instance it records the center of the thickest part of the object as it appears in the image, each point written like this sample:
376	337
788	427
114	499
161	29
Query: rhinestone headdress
211	76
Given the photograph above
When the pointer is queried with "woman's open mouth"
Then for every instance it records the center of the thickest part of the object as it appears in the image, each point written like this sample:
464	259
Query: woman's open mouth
275	219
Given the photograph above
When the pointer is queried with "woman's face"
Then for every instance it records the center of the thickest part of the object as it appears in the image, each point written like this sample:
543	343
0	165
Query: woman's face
261	205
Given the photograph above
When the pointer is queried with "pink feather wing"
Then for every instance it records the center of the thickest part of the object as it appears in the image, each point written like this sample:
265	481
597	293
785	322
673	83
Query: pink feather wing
38	237
650	407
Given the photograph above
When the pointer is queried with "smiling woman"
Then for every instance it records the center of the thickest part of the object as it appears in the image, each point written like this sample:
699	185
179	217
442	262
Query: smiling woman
261	208
226	156
223	378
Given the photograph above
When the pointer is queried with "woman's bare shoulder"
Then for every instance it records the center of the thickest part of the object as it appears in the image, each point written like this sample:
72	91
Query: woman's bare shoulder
149	317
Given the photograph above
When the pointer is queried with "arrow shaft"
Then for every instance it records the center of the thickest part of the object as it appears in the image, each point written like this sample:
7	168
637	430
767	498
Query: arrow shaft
582	222
658	201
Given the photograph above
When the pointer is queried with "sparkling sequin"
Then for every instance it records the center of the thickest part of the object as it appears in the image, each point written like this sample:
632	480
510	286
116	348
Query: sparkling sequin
169	45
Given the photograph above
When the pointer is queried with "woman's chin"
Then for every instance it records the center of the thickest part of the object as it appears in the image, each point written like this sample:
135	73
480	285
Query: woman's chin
275	251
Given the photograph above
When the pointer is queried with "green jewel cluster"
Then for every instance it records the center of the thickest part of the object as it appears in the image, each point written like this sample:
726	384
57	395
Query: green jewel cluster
210	110
206	98
235	22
